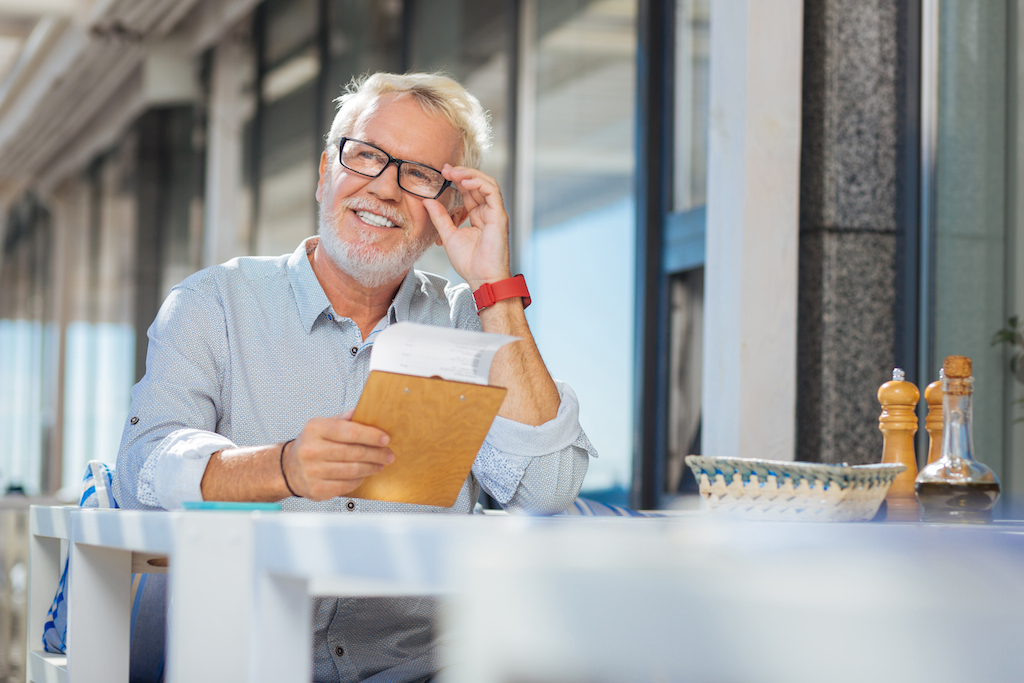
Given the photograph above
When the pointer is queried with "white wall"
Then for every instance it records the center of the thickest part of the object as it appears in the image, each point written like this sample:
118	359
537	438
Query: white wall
749	387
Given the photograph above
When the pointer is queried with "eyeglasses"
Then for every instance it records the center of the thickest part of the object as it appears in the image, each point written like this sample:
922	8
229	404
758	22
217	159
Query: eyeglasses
370	161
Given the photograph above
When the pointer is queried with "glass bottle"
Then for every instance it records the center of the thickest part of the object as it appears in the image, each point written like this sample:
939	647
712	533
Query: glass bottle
956	487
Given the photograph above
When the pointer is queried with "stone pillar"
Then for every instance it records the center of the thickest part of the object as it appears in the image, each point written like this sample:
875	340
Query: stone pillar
849	208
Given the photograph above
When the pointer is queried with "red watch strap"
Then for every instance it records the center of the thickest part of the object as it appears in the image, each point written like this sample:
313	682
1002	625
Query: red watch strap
492	292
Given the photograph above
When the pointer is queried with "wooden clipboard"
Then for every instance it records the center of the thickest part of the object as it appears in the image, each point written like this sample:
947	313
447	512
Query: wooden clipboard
436	428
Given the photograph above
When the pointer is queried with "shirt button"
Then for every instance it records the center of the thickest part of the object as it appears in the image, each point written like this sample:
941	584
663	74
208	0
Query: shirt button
354	350
330	317
135	420
340	651
351	505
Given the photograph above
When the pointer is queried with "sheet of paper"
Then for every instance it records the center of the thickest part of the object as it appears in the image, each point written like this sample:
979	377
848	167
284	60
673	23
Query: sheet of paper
429	351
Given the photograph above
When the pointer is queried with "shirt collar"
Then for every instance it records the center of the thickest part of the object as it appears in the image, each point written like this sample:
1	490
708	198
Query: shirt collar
399	309
312	301
309	295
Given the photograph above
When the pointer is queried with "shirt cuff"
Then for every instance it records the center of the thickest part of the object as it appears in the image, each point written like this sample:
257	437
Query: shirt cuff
173	473
511	446
515	438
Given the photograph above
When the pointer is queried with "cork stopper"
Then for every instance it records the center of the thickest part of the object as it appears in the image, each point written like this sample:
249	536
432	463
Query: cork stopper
957	367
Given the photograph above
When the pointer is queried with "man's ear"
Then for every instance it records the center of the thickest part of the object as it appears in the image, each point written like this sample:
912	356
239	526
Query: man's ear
324	166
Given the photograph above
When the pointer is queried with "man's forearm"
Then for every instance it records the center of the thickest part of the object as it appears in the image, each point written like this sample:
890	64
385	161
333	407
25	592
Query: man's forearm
532	395
245	474
330	457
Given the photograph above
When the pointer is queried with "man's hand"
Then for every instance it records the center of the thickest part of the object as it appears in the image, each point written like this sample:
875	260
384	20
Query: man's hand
330	457
333	455
479	252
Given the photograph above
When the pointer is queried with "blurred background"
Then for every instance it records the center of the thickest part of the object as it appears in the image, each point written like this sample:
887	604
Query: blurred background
142	140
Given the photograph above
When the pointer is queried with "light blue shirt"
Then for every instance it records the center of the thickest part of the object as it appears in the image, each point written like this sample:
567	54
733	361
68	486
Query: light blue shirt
244	354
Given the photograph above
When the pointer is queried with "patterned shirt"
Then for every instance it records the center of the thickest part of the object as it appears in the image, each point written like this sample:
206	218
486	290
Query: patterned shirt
244	354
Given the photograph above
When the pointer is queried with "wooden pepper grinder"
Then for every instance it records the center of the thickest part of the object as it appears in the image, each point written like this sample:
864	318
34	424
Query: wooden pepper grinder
898	423
933	422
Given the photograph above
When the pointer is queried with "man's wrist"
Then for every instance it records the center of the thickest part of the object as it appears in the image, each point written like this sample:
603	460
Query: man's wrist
489	294
477	283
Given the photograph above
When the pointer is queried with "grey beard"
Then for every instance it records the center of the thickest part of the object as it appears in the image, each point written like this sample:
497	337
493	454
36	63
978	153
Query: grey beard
368	267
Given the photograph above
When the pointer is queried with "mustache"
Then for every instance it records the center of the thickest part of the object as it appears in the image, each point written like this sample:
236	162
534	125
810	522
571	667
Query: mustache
373	206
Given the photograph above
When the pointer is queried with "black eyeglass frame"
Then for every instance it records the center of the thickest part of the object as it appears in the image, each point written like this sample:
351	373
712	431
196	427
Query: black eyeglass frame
391	160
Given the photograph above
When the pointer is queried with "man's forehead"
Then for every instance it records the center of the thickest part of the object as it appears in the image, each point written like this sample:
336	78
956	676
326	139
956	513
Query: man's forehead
401	126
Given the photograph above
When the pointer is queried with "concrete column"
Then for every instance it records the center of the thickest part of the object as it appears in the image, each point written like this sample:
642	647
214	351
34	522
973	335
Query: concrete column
749	387
227	215
848	223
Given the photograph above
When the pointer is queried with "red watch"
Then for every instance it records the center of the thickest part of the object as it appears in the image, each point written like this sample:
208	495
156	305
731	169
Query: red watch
491	293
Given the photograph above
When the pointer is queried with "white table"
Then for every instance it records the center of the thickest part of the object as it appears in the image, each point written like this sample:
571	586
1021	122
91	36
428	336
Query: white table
212	560
703	600
239	582
596	599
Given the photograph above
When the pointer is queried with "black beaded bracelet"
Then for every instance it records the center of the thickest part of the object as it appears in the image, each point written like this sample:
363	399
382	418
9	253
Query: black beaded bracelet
283	475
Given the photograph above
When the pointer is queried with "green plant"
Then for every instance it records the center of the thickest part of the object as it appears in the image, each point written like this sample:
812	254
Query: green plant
1013	336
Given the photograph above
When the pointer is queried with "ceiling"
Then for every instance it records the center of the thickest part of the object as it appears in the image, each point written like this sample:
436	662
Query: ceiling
71	73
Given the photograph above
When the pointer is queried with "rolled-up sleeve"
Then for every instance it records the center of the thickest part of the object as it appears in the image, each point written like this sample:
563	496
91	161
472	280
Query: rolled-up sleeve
173	473
536	469
171	431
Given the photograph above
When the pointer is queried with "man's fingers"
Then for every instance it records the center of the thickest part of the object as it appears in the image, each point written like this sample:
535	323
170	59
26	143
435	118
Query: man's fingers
473	180
342	431
346	471
334	453
440	218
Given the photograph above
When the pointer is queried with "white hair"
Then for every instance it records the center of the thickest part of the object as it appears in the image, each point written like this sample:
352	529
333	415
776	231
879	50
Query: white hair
435	93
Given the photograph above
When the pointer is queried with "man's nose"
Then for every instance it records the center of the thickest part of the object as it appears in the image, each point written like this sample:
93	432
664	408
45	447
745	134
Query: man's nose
385	185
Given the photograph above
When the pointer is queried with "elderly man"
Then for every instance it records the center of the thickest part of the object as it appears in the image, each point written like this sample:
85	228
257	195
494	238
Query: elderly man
254	366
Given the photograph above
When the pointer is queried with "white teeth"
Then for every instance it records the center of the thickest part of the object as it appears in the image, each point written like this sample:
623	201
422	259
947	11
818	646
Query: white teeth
374	219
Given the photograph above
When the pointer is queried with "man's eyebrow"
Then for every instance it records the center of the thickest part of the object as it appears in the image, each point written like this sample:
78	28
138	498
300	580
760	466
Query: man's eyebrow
385	149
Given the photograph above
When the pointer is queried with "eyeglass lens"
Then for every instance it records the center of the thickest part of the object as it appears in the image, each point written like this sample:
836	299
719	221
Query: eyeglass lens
418	179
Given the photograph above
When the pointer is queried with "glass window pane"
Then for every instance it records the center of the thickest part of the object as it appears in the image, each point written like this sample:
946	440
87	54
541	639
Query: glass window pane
970	224
76	223
364	38
26	348
469	39
692	103
100	344
289	140
290	27
579	259
183	237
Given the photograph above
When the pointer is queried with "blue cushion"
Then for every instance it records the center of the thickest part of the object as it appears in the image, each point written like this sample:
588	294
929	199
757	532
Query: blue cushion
585	507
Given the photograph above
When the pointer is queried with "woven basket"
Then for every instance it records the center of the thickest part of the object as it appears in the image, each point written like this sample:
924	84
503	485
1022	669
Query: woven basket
792	491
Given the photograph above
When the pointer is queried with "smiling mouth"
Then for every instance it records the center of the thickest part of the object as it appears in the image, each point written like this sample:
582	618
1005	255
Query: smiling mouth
374	219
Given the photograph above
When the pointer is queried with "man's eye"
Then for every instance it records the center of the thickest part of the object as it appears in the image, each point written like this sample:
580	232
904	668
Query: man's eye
420	174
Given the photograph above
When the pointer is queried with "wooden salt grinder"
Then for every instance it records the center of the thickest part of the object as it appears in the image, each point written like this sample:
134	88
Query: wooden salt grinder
933	422
898	423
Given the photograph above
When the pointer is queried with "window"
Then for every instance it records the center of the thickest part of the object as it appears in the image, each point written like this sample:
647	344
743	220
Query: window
684	241
472	41
576	248
973	271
